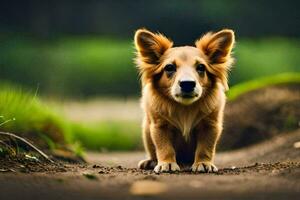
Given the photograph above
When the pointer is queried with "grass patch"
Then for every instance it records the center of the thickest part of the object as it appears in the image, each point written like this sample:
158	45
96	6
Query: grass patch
49	130
248	86
31	118
110	135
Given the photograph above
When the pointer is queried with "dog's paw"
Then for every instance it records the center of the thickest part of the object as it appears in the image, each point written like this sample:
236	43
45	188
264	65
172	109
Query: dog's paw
166	167
204	167
147	164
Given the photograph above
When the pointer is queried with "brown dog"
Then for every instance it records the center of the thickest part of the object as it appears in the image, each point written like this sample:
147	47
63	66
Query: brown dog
183	99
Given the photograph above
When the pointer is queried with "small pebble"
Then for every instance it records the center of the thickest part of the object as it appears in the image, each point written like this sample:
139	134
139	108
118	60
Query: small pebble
297	145
147	188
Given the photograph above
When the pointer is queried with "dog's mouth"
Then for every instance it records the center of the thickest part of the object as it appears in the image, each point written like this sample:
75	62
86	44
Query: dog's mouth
187	95
186	98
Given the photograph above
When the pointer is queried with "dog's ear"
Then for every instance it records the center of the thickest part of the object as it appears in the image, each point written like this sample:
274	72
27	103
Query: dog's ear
150	46
217	46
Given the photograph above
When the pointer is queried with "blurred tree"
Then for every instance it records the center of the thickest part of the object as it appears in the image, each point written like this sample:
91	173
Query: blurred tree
181	20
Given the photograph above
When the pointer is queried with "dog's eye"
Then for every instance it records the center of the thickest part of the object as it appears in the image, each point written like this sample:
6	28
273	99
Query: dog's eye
200	68
170	68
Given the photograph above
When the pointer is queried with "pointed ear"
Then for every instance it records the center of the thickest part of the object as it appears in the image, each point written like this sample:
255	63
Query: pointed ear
150	47
217	47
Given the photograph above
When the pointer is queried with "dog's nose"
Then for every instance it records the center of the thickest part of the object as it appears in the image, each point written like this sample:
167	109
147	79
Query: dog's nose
187	86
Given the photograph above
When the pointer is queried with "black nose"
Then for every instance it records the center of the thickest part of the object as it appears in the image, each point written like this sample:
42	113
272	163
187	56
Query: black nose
187	86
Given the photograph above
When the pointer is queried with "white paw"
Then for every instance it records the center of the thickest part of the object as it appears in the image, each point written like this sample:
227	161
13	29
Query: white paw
166	167
204	167
147	164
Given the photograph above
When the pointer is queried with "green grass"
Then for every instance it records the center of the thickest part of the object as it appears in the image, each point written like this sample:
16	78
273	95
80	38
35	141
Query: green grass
109	135
87	66
248	86
264	57
23	114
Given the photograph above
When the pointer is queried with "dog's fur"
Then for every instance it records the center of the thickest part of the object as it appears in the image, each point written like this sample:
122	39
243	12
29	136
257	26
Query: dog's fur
179	129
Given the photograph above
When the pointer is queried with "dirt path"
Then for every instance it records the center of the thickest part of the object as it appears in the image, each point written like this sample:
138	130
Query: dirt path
270	170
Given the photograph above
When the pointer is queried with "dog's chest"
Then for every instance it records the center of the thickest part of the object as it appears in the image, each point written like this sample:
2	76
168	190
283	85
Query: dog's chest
185	121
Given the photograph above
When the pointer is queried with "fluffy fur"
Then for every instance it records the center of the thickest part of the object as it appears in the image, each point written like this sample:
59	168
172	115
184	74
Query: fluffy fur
179	129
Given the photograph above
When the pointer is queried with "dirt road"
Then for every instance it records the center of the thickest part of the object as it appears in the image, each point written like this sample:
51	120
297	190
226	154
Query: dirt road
270	170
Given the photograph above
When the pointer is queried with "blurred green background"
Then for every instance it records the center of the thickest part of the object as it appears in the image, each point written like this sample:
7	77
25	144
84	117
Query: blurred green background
84	48
77	51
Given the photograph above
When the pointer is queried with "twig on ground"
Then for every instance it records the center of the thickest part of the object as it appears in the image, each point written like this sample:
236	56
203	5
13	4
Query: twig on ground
27	143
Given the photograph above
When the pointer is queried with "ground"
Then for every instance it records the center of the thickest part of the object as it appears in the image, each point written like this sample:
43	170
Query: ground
269	170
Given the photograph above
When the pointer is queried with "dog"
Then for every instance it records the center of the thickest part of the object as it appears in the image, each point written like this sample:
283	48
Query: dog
183	99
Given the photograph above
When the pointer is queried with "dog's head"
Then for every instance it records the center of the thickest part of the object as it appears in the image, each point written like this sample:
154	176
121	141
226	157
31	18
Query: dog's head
184	73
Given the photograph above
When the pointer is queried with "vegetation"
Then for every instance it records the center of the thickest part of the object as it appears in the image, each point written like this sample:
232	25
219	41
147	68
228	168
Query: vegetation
109	135
23	114
248	86
70	66
89	66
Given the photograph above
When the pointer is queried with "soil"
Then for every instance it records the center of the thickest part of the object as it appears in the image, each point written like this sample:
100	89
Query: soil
269	170
261	114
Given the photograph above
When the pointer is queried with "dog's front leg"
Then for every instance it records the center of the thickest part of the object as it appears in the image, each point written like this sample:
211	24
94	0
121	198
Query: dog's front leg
207	136
166	156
